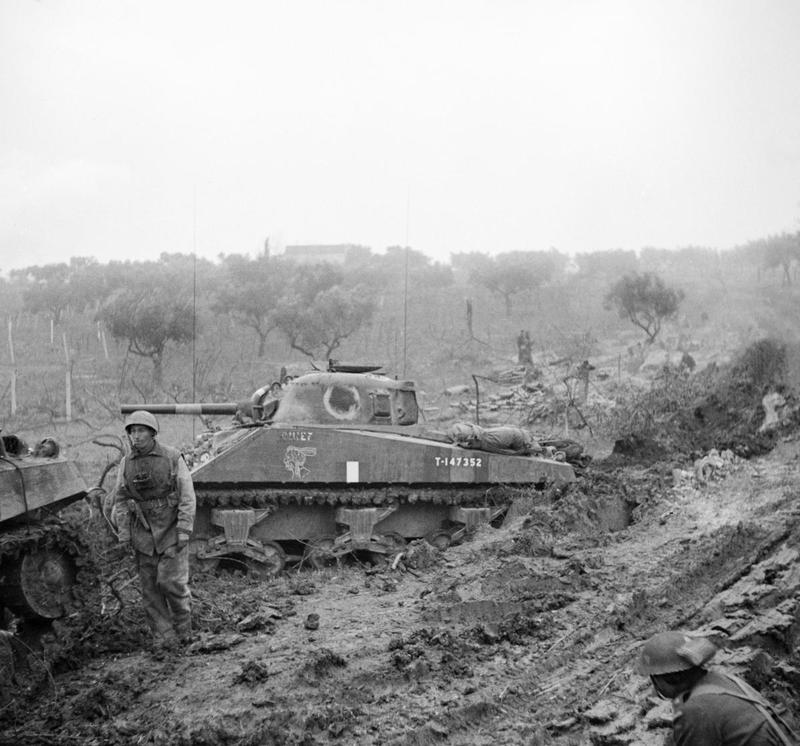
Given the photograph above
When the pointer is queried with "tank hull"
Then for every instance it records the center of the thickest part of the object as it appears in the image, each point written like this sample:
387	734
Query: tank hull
293	486
30	483
315	455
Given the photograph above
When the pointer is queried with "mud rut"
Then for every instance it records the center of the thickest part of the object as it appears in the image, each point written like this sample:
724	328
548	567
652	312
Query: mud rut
524	635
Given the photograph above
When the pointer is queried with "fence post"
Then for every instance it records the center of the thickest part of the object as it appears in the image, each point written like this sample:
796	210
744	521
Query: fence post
101	335
13	368
68	379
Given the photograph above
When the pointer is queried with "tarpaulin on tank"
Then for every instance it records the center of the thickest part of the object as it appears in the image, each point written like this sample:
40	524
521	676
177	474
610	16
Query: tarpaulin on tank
505	439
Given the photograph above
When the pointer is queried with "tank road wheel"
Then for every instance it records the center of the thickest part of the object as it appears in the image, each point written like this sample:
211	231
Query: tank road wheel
275	561
319	552
273	564
203	565
440	539
40	584
394	543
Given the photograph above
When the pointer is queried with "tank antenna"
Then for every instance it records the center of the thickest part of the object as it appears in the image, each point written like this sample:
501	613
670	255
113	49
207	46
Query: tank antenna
405	287
194	298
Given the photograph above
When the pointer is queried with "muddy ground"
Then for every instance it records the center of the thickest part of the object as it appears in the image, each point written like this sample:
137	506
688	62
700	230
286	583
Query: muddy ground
525	634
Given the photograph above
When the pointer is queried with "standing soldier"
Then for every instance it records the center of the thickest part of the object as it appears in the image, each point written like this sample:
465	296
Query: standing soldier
154	512
524	348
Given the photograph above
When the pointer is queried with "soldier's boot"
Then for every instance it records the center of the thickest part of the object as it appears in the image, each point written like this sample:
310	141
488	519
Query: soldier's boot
163	646
182	620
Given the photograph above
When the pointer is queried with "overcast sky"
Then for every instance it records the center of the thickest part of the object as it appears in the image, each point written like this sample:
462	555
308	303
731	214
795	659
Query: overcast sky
130	128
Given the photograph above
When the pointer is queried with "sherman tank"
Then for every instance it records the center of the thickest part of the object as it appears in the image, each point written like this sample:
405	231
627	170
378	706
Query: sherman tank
335	462
37	555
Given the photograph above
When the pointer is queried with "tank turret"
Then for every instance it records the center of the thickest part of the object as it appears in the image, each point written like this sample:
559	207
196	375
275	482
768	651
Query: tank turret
336	461
332	397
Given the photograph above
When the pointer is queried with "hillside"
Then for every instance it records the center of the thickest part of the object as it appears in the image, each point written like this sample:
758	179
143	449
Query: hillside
524	634
685	516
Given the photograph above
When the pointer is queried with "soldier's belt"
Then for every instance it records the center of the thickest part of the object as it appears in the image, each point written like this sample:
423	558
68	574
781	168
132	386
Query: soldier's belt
158	502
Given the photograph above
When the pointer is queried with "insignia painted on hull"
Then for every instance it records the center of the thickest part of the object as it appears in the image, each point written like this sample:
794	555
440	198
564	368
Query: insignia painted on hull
295	461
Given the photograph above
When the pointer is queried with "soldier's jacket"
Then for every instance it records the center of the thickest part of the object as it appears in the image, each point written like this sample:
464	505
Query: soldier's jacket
721	710
155	486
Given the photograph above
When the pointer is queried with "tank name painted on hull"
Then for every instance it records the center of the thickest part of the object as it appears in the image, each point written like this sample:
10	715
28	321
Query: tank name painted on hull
469	461
295	461
296	435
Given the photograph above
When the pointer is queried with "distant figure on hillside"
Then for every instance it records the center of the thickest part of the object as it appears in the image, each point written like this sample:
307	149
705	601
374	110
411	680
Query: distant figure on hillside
687	362
710	707
524	348
582	374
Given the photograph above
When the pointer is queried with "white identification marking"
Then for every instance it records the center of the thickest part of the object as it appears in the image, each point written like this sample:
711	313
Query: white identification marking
352	471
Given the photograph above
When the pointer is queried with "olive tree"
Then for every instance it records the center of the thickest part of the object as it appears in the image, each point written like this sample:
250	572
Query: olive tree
152	309
512	273
46	289
251	292
320	309
644	300
782	251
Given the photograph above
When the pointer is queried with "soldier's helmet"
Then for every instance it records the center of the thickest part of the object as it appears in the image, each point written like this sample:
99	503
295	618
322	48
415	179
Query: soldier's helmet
140	417
668	652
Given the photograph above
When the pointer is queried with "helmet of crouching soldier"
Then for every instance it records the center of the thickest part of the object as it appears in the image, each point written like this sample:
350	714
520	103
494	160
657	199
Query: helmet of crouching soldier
669	652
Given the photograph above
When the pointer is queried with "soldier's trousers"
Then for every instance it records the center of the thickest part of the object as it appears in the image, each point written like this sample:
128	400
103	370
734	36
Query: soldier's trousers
165	592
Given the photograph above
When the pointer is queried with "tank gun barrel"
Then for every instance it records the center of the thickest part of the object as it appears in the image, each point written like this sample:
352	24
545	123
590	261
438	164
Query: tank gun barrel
193	408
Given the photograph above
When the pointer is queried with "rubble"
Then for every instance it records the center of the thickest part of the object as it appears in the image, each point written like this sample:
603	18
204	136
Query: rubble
772	403
713	466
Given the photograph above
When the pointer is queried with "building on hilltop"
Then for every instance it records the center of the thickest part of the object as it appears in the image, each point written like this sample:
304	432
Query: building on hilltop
319	253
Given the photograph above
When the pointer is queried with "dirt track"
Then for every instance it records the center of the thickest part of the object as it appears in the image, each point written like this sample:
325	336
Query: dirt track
523	635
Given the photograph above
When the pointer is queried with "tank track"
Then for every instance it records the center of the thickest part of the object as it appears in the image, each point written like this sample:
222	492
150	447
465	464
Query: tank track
466	495
22	538
45	645
52	535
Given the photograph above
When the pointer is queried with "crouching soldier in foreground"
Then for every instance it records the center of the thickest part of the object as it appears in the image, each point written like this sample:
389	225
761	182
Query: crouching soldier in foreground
710	708
154	512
